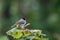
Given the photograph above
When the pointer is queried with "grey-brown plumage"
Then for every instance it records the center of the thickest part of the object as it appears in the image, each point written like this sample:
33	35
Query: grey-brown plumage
21	23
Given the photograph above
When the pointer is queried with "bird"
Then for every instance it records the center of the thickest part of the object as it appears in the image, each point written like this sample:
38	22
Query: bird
21	22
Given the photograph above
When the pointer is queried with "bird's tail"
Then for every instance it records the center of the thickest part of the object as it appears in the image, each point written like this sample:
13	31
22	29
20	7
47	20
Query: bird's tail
13	26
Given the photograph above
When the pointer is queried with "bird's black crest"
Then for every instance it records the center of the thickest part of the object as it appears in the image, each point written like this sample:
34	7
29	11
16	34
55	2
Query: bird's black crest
24	18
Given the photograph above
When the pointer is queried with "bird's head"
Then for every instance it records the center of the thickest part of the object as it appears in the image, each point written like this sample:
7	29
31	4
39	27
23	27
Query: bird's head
23	18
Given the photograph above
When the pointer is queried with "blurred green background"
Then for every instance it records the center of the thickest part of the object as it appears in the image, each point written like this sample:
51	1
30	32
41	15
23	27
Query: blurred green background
42	14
